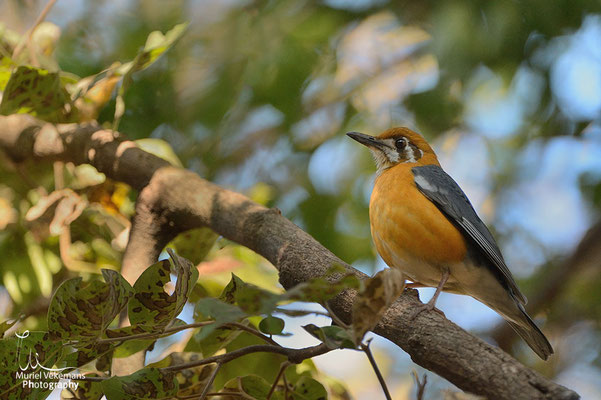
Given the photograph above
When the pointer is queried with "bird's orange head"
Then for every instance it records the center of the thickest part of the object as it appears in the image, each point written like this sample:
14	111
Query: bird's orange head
397	146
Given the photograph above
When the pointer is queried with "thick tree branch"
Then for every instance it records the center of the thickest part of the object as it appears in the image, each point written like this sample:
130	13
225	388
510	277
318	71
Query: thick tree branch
187	201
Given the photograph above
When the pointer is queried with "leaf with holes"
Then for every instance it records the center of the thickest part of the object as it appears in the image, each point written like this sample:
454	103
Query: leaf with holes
378	293
83	311
39	93
151	306
191	381
309	389
86	390
27	354
147	383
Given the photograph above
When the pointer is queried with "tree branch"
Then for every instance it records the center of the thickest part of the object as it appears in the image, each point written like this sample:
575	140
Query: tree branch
186	201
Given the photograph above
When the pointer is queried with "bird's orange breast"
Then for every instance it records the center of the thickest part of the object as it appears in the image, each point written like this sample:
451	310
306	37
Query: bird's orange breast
409	231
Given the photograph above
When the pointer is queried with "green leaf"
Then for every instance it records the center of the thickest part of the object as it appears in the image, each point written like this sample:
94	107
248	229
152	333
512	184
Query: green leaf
152	306
194	244
25	354
333	336
147	383
222	313
191	380
254	300
39	93
84	311
5	325
130	347
209	343
266	365
271	325
251	385
86	390
6	66
309	389
156	45
320	290
87	352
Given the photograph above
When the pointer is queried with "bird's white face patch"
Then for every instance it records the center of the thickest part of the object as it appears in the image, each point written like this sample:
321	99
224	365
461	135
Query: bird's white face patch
395	151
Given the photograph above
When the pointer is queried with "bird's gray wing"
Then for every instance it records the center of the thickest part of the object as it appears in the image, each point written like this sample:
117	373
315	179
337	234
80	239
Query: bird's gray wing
446	194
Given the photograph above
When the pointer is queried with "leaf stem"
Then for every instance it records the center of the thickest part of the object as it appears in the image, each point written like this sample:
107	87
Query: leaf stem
283	367
205	391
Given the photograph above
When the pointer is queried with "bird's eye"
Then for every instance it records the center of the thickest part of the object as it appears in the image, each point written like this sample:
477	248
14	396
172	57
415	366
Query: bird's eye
401	143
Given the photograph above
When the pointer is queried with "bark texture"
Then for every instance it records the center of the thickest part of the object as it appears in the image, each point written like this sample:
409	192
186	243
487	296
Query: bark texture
173	200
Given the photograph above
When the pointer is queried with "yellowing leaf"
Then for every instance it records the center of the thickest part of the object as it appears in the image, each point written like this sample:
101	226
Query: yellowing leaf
378	294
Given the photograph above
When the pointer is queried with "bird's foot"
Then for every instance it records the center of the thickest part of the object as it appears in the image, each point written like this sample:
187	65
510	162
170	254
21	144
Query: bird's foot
429	306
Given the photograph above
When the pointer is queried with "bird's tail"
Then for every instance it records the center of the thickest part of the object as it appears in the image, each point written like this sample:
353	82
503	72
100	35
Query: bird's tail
532	335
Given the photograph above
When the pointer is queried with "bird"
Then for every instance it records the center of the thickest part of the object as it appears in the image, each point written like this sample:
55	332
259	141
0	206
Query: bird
423	224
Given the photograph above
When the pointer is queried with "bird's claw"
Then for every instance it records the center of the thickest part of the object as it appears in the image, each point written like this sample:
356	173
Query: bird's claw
424	307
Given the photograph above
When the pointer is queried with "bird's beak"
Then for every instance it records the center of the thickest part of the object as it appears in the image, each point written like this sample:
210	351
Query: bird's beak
369	141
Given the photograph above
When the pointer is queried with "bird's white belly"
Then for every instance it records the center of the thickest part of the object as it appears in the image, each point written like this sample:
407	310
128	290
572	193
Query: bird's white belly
423	272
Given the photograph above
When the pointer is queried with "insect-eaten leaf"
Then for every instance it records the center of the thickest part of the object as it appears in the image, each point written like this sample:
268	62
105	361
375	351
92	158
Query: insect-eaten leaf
191	381
86	390
309	389
26	354
378	293
37	92
147	383
83	311
151	306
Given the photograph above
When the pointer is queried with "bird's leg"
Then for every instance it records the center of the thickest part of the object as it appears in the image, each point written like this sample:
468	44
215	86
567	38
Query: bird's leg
430	305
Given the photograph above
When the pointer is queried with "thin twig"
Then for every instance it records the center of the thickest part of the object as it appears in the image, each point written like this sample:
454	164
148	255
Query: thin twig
205	391
283	367
252	331
372	361
294	355
421	385
286	387
37	22
211	394
155	335
292	312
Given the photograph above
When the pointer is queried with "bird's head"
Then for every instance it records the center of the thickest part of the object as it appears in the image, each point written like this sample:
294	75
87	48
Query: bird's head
397	146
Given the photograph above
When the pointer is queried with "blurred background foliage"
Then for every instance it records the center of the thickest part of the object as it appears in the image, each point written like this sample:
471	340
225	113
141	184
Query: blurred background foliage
256	97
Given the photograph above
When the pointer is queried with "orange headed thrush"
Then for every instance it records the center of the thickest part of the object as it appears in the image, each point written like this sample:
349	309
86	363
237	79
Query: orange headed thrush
423	224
